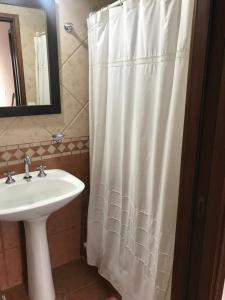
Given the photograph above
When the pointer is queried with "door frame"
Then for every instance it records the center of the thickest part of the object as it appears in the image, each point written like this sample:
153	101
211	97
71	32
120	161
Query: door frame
191	145
16	56
196	272
211	272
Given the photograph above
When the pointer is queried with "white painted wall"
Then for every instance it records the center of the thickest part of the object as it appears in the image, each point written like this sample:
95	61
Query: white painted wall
6	72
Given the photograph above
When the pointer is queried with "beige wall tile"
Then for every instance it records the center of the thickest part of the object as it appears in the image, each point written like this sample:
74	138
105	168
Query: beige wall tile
79	126
68	43
70	108
77	12
23	130
73	57
75	74
4	124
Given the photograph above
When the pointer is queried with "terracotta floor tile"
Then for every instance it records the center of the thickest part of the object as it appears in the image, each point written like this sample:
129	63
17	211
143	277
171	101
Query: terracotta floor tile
17	293
73	281
74	276
95	291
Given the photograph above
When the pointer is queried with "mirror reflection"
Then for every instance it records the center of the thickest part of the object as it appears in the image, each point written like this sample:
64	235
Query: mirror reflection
24	67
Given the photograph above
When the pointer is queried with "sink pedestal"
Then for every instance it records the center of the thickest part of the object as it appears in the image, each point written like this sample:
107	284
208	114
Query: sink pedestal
32	203
38	261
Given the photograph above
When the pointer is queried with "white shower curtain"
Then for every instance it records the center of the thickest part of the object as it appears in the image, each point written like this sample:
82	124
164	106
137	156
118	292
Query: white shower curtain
139	56
41	67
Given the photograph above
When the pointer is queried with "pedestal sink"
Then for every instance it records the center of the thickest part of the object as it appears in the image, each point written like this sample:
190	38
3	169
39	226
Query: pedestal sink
32	202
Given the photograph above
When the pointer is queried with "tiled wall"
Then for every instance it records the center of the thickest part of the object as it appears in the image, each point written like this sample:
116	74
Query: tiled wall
32	134
41	151
73	61
66	227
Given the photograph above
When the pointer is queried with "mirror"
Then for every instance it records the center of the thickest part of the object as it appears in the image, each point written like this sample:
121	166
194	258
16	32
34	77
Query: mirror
29	82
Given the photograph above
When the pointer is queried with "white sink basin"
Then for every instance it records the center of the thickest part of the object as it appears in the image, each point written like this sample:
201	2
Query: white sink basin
23	201
32	202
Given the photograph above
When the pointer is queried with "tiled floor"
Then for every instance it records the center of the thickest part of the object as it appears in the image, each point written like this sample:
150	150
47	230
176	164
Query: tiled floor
74	281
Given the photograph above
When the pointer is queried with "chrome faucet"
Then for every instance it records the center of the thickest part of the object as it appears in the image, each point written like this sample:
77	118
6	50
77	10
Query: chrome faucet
27	163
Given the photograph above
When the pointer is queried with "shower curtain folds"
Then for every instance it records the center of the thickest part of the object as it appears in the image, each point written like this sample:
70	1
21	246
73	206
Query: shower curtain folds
41	67
139	55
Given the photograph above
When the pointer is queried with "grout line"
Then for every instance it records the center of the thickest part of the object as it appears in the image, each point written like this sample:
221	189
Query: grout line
75	118
68	58
38	124
66	152
74	97
78	138
83	42
84	287
7	127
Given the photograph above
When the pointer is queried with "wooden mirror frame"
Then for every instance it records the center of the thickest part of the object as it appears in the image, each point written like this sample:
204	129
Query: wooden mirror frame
55	106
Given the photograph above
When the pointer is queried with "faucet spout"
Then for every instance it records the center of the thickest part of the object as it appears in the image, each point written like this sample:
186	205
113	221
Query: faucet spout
27	163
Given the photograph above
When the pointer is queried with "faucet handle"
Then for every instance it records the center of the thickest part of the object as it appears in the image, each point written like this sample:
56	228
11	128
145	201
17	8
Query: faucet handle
27	159
41	171
9	175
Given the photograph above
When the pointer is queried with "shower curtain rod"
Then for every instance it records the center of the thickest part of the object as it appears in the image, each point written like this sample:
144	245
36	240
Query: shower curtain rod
114	4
